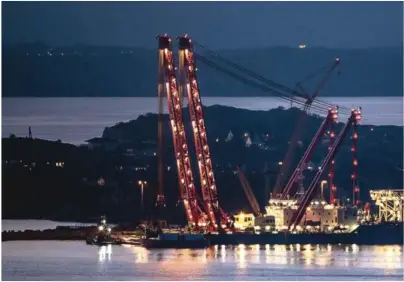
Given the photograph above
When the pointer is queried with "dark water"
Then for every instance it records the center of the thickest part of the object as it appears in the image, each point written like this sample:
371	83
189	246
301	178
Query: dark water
74	120
56	260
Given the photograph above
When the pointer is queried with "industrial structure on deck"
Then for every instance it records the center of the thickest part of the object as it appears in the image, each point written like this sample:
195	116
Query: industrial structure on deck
390	203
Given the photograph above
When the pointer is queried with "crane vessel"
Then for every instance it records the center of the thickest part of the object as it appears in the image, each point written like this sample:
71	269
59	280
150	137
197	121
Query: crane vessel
293	214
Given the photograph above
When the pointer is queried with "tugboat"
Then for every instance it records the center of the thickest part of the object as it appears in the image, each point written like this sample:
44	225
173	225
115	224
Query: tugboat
103	237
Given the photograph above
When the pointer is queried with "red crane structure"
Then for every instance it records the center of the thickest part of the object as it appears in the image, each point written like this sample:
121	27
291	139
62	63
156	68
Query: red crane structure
160	166
265	85
330	119
207	178
354	118
309	103
331	168
301	124
249	193
167	82
354	175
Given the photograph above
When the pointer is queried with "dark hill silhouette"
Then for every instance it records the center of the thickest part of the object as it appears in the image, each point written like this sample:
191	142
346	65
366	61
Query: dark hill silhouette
33	186
36	69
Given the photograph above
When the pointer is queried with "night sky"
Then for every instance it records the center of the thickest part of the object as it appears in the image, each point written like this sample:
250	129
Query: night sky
220	25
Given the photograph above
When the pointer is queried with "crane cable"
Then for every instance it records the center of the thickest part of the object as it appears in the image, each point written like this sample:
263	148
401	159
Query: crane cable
263	79
269	82
318	109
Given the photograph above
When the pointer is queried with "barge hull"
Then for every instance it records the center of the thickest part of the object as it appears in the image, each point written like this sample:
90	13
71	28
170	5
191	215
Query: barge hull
172	244
381	234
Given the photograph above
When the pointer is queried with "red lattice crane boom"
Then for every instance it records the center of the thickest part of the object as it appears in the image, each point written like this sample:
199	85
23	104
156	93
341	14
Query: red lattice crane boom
308	196
185	177
331	118
208	184
331	169
249	193
160	166
301	124
354	176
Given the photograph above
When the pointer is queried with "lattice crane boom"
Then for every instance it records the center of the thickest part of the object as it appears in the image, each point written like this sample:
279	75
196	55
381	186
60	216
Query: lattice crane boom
208	184
331	118
185	177
331	169
308	196
160	88
301	124
249	193
290	154
354	176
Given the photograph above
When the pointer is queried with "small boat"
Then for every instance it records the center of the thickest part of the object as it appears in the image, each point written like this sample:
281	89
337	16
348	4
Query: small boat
176	241
103	237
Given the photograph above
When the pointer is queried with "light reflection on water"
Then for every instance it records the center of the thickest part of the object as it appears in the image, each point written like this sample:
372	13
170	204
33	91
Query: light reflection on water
77	261
104	253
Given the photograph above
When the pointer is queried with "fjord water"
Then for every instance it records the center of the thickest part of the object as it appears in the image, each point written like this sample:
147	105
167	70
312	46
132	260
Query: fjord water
74	120
57	260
